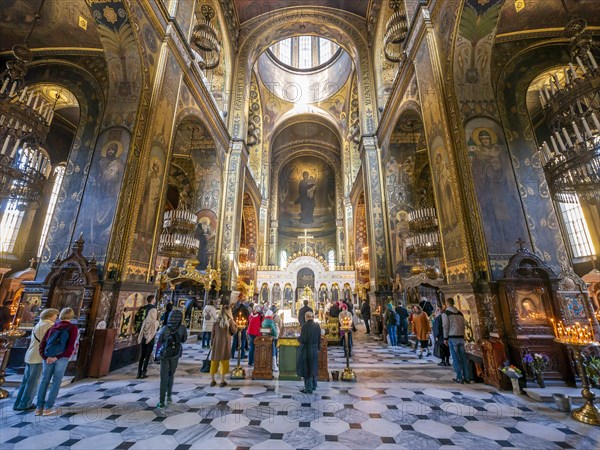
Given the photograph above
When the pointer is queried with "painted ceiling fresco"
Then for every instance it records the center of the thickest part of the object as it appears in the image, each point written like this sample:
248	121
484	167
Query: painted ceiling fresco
537	14
247	9
63	23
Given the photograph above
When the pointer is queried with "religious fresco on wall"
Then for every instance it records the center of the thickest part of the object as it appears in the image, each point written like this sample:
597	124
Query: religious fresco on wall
542	222
307	201
496	191
206	233
124	318
102	193
149	205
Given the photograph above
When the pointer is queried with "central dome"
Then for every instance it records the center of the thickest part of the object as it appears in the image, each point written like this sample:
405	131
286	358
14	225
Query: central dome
304	53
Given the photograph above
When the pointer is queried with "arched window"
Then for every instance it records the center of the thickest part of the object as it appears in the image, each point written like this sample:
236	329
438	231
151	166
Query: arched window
285	51
59	173
331	259
9	226
283	259
305	52
577	230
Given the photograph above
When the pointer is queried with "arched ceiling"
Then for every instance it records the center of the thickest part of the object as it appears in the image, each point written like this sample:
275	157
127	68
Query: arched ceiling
247	9
305	129
61	24
544	14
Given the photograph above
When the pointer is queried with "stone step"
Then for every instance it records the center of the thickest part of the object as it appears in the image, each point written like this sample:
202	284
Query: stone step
544	395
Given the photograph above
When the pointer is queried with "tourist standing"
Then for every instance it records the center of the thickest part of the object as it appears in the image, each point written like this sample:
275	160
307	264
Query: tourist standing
33	361
334	310
346	315
303	311
56	348
454	336
254	322
307	365
391	324
440	349
278	325
222	331
403	324
171	339
421	328
146	338
365	312
165	316
426	306
209	316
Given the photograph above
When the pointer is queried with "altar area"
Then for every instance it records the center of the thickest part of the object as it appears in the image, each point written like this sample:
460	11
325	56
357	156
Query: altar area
286	287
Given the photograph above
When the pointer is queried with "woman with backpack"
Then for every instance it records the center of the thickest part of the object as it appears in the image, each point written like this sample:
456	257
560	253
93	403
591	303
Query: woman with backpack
223	329
171	339
254	322
391	324
56	348
146	338
33	361
421	328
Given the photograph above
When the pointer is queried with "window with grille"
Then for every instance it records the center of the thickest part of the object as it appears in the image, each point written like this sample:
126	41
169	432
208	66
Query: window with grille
577	229
59	173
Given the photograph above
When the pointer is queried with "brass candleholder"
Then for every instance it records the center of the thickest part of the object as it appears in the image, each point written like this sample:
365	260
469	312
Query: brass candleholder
238	372
589	412
8	339
348	374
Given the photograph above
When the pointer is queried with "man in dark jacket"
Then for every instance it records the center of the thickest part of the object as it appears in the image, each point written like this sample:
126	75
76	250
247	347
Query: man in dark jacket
307	364
334	311
403	325
303	311
168	363
365	312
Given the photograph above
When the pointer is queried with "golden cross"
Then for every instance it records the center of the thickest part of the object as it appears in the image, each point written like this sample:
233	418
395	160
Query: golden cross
306	237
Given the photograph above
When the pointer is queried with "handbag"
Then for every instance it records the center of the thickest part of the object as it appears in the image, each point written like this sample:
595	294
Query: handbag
206	363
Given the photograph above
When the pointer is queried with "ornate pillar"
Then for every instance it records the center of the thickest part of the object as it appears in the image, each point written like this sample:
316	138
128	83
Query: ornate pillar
377	233
263	230
231	219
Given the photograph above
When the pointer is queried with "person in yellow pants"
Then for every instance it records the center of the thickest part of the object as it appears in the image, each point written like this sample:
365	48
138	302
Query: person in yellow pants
223	328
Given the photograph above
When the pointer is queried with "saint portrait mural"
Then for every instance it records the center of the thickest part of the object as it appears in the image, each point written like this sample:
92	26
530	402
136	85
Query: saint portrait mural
495	186
100	200
205	232
306	201
149	207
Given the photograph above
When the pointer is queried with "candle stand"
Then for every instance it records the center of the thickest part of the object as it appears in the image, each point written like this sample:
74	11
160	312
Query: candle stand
588	413
8	339
348	374
238	372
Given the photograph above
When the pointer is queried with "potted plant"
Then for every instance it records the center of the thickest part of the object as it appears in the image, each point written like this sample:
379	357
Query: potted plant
537	363
514	373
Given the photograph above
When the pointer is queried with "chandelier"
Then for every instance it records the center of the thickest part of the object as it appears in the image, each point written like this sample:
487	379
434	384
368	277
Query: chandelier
177	239
570	100
25	118
396	30
425	242
245	264
204	38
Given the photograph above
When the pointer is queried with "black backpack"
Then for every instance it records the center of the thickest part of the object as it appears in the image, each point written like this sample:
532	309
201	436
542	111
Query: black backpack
56	343
172	347
140	315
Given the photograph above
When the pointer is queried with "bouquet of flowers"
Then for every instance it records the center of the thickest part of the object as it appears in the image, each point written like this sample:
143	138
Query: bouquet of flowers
537	362
511	371
592	369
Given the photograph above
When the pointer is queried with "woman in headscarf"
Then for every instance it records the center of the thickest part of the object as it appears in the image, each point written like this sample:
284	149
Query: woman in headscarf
146	338
421	328
223	329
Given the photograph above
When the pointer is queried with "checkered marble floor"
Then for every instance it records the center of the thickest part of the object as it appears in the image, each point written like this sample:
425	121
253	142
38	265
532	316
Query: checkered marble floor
407	407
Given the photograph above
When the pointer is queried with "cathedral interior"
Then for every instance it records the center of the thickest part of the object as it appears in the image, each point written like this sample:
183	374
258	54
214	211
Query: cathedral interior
275	151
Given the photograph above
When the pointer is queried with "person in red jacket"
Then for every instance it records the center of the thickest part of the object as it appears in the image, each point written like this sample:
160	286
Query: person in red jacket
254	322
55	365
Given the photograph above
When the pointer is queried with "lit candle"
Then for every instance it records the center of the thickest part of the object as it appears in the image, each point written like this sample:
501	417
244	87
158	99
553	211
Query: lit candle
567	137
586	127
595	120
578	59
573	71
592	60
577	133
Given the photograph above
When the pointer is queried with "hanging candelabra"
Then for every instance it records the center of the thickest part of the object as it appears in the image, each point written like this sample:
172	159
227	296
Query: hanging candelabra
177	239
396	30
570	100
204	38
25	119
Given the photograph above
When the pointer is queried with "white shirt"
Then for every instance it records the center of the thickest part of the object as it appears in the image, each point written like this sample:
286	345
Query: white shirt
33	352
